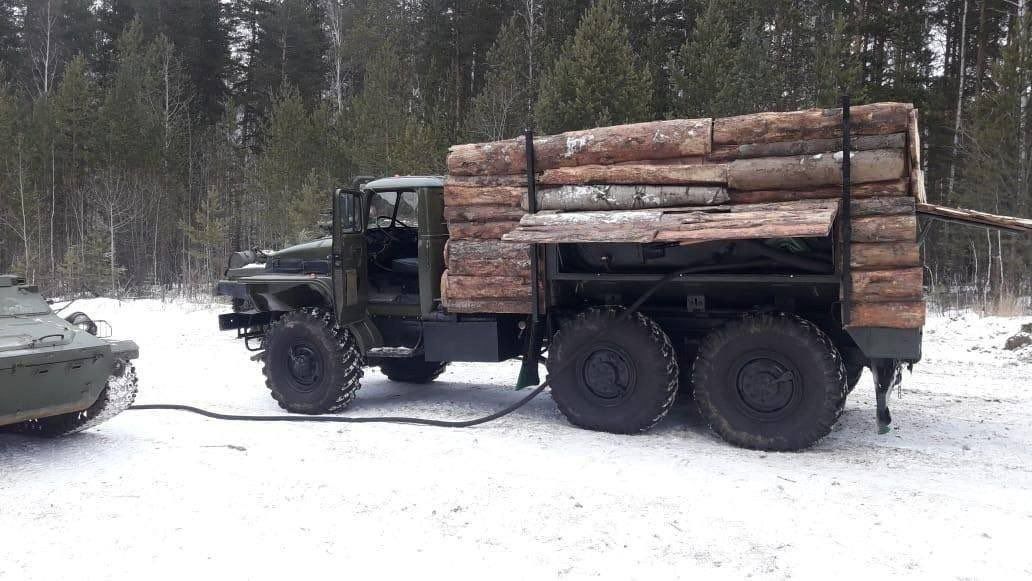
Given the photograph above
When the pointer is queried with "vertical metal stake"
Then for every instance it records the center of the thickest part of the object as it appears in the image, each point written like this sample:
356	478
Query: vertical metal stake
847	216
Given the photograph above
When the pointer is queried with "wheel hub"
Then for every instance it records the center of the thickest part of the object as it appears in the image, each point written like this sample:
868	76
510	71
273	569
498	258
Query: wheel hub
766	385
305	366
607	374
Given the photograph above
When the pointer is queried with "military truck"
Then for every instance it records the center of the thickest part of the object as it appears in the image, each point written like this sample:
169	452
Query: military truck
56	376
370	295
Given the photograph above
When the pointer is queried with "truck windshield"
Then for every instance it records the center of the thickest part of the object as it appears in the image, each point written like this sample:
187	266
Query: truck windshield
393	208
15	301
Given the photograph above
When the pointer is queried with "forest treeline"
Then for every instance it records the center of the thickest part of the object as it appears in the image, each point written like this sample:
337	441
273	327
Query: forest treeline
141	141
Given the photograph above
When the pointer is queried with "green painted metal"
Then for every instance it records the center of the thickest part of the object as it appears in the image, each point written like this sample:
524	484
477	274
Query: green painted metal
48	366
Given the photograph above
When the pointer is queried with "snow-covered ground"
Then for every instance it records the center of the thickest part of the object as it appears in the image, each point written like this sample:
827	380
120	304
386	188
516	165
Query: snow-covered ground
160	495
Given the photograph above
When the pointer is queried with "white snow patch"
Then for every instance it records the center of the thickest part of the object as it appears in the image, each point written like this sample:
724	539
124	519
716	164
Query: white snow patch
167	495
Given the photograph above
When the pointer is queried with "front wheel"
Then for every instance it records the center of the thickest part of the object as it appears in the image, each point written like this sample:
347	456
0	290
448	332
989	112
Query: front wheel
312	366
770	382
613	372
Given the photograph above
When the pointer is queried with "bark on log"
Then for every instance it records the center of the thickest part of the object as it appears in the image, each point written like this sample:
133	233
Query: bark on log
478	230
487	258
874	119
977	218
636	174
806	147
603	145
896	206
617	197
484	195
885	229
887	286
484	287
908	315
490	267
486	249
518	307
694	160
815	170
705	227
885	255
500	181
870	190
482	213
638	226
917	183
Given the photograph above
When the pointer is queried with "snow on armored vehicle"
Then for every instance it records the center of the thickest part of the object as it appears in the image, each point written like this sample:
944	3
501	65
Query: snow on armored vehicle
56	376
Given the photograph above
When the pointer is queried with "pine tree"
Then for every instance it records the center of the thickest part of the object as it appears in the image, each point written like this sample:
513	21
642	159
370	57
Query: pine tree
701	69
596	80
501	110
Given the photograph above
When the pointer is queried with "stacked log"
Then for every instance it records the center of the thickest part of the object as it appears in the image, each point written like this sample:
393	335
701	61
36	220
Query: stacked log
682	180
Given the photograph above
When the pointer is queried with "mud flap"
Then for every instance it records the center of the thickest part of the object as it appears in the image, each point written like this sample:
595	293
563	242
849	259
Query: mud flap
887	374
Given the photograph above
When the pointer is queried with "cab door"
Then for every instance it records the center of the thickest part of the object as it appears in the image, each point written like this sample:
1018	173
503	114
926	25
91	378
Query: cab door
350	281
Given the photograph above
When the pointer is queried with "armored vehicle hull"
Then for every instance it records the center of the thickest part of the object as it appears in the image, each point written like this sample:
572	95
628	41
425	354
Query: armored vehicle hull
55	376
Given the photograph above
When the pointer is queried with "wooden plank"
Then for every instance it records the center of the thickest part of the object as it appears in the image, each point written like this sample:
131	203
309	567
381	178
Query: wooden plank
480	230
636	174
976	218
917	177
873	119
885	229
480	213
620	197
744	225
637	226
868	190
603	145
886	286
822	169
469	306
486	195
903	315
885	255
806	147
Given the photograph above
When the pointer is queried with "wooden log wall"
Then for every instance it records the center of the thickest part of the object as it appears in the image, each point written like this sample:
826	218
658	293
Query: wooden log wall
607	179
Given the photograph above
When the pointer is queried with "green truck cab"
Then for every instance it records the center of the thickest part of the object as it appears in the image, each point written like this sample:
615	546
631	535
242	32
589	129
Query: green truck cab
749	330
56	376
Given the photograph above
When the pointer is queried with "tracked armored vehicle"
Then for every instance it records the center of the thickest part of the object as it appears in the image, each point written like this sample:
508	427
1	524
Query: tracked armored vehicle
57	377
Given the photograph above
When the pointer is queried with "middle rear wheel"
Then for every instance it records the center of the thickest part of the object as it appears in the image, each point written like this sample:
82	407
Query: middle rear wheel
613	373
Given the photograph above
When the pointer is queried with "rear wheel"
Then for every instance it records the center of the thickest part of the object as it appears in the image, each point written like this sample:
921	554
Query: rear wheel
312	365
414	370
613	373
770	382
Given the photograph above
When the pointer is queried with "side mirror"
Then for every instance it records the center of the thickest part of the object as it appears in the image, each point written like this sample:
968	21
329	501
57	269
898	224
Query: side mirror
348	211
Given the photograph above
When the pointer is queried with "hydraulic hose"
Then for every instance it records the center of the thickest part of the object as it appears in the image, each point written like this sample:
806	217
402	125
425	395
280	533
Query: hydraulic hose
401	419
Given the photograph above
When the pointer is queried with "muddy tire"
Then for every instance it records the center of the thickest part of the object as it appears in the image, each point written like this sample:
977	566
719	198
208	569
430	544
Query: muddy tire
117	396
770	382
414	370
311	365
613	373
